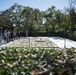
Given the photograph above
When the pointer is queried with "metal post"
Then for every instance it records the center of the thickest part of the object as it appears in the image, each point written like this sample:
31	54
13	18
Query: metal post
29	42
64	43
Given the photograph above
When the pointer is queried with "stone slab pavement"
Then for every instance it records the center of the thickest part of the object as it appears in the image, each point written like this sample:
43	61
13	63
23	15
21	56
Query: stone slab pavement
31	42
40	42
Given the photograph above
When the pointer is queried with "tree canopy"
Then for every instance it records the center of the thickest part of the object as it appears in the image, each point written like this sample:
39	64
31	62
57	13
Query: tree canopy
22	18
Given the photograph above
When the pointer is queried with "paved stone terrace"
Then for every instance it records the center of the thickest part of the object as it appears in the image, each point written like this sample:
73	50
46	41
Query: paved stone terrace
31	42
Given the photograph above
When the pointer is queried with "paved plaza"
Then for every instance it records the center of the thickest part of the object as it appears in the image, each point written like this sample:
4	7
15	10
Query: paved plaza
31	42
40	42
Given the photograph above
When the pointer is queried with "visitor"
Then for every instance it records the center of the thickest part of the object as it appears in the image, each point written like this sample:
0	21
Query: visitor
14	35
2	35
26	33
5	36
11	35
8	36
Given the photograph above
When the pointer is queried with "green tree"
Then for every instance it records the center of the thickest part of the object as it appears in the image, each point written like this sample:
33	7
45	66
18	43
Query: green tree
72	13
5	20
50	16
16	17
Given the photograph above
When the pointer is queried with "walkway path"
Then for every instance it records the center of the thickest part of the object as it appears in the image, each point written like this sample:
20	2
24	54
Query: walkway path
41	42
60	42
31	42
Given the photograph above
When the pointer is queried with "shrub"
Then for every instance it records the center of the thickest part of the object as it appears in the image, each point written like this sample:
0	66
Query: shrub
22	61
